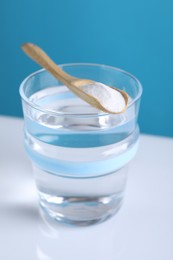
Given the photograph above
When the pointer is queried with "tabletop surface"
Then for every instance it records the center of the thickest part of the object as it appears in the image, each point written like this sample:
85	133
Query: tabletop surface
142	229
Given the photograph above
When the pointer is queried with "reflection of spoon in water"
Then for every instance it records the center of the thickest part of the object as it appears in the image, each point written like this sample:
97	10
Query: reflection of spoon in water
105	98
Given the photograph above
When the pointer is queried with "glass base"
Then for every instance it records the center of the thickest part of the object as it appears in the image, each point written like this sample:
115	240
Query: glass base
80	211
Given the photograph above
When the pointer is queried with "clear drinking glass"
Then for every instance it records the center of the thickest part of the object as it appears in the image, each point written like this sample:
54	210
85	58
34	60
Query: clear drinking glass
79	155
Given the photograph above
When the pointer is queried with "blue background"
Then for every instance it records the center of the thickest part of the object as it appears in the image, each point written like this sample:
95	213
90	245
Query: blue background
134	35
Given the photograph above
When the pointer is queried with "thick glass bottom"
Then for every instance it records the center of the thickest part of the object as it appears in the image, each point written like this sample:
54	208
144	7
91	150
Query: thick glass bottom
80	211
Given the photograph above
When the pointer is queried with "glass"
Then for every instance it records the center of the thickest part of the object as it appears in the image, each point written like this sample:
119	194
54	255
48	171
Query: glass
79	155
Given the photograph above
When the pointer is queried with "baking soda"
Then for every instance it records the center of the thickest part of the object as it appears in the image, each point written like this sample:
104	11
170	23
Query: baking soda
111	99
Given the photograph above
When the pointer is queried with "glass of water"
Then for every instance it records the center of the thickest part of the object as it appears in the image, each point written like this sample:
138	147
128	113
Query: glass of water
79	155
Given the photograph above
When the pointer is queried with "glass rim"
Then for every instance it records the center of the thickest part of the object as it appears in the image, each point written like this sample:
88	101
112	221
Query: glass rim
59	113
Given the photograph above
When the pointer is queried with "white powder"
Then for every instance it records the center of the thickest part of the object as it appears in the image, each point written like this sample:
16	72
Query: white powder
109	98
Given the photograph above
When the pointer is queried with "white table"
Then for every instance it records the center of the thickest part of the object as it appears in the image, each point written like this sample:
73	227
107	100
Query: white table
142	229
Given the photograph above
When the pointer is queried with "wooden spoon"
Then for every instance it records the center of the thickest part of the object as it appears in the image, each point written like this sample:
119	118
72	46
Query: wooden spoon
73	83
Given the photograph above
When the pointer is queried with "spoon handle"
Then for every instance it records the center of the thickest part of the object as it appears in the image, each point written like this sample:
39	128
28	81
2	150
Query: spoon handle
38	55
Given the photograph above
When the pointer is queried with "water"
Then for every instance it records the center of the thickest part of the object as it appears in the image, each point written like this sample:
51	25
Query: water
80	162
